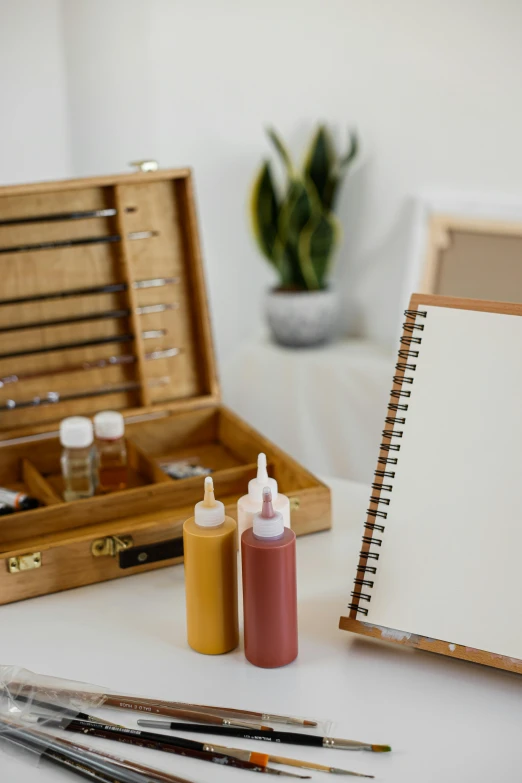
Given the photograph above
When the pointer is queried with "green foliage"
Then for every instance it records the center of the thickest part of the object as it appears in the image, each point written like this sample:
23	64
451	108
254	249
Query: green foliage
296	230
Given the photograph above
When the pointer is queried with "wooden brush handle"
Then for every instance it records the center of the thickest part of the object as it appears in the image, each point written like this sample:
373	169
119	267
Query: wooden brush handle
142	706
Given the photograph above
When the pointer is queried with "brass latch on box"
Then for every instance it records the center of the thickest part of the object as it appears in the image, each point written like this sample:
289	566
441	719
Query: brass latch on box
24	563
111	545
295	504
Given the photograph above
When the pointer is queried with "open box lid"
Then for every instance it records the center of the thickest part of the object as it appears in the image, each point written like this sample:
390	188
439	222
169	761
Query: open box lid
103	302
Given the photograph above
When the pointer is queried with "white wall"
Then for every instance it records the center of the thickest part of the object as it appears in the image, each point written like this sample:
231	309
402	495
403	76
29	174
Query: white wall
34	123
433	87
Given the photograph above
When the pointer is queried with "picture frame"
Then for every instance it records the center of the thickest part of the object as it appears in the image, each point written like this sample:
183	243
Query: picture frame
466	245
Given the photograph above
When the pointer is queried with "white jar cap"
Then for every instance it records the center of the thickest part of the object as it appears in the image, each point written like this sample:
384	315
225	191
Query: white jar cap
256	485
109	425
209	512
76	432
268	523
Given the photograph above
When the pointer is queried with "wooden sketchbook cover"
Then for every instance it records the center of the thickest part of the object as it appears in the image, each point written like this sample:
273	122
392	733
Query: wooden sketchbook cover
440	565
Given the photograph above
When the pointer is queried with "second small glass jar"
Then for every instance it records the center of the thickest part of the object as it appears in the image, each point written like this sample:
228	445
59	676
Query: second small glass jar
109	429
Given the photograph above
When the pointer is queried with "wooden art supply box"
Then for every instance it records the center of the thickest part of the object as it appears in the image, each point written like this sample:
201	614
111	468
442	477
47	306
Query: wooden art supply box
117	350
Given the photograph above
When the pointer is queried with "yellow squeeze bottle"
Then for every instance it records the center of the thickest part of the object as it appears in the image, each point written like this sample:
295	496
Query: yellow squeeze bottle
210	548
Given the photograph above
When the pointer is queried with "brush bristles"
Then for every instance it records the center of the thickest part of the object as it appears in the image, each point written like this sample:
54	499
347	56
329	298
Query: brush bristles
381	748
309	723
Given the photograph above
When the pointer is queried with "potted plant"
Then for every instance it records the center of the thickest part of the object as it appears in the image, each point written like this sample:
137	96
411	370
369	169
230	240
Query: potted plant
298	233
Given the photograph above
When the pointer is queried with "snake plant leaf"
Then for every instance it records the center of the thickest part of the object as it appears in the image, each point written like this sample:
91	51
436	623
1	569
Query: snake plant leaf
264	214
295	213
353	151
339	172
319	162
282	151
316	247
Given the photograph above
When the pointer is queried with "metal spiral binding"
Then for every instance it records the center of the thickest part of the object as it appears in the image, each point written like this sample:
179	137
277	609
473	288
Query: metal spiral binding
390	435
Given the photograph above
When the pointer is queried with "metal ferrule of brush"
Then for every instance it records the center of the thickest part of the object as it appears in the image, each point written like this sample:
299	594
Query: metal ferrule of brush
235	752
343	744
240	724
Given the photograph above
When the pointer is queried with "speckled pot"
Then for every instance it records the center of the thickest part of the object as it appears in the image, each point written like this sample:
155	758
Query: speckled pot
300	319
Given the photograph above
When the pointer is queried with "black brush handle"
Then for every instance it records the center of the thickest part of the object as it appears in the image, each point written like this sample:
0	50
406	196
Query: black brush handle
58	217
108	239
118	338
147	739
290	737
112	288
75	319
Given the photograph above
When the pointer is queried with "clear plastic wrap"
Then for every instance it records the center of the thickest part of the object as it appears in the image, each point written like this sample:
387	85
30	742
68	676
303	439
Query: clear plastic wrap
26	697
24	694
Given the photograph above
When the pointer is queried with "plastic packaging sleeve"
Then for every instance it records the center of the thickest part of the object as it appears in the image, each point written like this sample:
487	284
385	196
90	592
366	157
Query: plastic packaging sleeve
41	746
24	694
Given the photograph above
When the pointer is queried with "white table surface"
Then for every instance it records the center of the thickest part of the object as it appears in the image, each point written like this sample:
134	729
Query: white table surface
447	720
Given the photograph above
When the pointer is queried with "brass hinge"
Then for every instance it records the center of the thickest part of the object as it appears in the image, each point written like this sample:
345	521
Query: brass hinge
111	545
24	563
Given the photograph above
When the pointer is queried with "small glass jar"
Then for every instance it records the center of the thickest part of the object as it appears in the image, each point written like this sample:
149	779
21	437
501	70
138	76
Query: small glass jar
78	460
109	428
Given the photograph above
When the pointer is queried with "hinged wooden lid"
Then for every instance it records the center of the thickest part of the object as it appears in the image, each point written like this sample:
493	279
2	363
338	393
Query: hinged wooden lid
142	342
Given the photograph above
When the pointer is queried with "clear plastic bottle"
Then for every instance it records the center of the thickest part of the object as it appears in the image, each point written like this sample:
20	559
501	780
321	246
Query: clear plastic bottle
109	428
251	504
78	459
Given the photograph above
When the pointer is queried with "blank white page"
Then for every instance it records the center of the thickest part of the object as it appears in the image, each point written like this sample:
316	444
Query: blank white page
450	563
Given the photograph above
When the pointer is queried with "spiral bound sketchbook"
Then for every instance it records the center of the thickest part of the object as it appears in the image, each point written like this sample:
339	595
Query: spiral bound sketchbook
440	565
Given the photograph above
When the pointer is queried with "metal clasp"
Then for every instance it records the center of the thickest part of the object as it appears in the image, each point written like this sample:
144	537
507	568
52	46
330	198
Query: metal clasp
16	565
111	545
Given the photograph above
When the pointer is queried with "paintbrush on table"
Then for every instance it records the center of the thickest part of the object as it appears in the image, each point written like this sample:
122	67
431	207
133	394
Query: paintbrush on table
231	712
65	712
176	745
149	772
53	749
148	706
290	737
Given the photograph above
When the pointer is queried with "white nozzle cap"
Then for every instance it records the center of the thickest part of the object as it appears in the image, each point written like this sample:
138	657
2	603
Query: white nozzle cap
256	485
268	523
109	425
76	432
209	512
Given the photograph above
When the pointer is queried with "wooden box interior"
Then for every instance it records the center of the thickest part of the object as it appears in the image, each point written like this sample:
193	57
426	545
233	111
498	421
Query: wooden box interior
213	435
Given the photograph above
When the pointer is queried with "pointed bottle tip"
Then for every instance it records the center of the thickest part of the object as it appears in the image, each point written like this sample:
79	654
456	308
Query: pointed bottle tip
209	500
262	474
267	512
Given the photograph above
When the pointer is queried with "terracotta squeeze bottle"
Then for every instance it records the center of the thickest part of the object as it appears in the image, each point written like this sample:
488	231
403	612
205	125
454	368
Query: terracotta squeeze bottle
210	548
269	589
250	504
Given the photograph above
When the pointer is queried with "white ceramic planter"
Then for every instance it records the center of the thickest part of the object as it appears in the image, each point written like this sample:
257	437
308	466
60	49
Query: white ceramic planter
302	318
